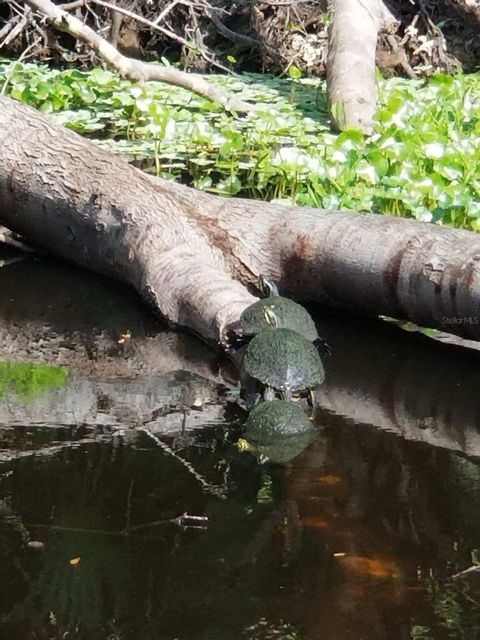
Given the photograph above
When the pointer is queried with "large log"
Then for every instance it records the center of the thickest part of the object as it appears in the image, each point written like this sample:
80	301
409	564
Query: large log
190	254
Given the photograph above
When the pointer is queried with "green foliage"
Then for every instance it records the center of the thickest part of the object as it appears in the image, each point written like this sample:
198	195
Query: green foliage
264	494
423	162
420	632
28	381
455	610
294	72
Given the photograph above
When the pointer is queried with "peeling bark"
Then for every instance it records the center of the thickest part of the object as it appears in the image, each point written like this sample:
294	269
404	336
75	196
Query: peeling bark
92	208
190	254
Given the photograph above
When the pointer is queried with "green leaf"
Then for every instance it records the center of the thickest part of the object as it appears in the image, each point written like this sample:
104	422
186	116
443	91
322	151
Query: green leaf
101	77
294	72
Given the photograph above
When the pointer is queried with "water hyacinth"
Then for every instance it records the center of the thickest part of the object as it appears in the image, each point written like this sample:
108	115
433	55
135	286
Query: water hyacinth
422	162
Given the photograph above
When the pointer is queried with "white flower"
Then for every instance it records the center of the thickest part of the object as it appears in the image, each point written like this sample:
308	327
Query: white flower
368	173
339	156
434	150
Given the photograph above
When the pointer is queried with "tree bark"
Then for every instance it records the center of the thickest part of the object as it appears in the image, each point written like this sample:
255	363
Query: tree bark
190	253
352	42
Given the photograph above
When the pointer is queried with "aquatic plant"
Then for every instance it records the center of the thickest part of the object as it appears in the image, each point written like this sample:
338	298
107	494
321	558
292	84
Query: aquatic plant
423	162
28	381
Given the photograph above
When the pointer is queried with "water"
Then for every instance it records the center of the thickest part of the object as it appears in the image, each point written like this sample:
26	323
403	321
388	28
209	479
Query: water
112	429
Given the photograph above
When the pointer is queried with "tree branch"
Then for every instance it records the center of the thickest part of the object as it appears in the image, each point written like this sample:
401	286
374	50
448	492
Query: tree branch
135	69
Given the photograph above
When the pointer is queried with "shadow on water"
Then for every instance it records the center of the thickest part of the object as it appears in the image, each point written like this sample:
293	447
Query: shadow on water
361	535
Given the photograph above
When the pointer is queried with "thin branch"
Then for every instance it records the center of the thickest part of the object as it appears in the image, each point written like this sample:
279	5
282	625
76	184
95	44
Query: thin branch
236	38
202	47
165	11
101	532
169	451
166	32
70	6
8	261
17	29
279	3
135	69
142	20
8	27
14	66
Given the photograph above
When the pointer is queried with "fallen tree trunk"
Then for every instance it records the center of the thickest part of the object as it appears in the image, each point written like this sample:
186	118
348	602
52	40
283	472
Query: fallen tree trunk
190	253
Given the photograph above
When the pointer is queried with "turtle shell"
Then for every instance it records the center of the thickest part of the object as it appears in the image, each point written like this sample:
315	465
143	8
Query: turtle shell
289	314
283	359
285	448
269	420
278	430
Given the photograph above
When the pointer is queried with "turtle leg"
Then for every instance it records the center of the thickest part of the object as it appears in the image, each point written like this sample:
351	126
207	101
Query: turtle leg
251	400
310	398
267	286
313	399
322	346
269	394
233	336
251	392
287	395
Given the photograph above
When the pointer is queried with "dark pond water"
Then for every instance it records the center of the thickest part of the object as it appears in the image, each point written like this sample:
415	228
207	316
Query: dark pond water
112	429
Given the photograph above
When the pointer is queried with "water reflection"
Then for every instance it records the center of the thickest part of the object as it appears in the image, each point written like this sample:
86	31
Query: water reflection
377	374
359	537
360	534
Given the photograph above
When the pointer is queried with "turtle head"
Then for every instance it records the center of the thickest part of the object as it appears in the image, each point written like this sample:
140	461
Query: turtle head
271	317
267	286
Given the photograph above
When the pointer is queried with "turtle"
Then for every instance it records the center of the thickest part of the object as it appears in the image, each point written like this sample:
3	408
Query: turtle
279	360
269	420
289	314
278	430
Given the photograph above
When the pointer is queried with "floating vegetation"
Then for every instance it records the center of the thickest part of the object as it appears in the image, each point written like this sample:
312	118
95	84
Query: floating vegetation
28	381
423	162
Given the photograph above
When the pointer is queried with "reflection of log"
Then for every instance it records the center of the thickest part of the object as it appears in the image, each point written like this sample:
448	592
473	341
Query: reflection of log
185	251
158	402
405	384
377	375
66	317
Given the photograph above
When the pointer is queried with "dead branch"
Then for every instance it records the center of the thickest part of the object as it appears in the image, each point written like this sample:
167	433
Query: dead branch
135	69
14	27
151	25
11	240
237	38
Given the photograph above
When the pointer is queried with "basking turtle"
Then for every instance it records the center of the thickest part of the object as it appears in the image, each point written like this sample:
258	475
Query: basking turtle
289	314
278	430
281	360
